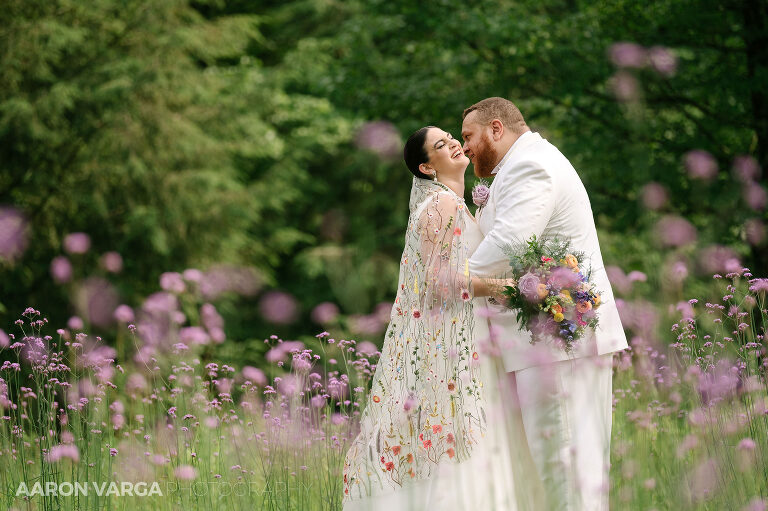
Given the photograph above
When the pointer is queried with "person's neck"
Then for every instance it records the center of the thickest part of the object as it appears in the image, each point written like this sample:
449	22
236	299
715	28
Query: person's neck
454	183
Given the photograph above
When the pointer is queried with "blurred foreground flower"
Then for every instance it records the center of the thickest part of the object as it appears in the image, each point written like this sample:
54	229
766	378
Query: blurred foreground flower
662	60
631	55
59	452
222	279
746	169
77	243
654	196
755	231
185	472
278	307
96	299
700	165
625	54
380	137
674	231
325	312
13	233
625	86
173	282
112	262
61	270
718	259
124	314
755	196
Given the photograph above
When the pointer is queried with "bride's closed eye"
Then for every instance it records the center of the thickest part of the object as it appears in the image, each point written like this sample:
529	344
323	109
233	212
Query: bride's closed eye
443	142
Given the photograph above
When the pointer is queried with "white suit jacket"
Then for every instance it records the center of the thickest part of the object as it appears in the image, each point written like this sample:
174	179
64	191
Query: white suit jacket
537	191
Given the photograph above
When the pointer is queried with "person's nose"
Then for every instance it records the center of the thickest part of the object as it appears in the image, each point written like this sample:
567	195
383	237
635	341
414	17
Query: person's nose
465	148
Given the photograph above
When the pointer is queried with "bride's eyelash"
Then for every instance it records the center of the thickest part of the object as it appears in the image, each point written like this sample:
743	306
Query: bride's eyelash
444	142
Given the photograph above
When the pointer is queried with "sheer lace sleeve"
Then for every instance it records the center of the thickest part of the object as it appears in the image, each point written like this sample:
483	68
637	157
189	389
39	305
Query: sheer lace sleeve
444	258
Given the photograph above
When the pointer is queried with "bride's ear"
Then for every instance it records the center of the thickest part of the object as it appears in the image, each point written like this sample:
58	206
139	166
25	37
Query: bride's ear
427	171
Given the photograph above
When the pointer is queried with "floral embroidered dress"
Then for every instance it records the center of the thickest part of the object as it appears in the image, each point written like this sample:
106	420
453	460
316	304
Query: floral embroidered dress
426	413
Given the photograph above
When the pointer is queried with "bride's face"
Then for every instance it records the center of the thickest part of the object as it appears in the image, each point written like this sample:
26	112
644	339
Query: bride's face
444	152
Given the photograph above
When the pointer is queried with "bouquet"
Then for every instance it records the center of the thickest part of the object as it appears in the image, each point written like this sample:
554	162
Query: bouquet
554	297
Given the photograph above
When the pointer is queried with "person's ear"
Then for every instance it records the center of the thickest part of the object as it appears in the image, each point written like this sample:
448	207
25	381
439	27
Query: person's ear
426	170
497	130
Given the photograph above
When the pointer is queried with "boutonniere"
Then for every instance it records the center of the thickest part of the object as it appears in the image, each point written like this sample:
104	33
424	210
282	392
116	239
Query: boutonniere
480	193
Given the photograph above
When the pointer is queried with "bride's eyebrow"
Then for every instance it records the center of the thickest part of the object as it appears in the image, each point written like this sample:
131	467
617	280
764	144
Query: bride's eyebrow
444	139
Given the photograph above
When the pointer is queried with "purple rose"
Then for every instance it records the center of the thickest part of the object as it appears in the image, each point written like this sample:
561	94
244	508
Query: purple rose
480	194
529	286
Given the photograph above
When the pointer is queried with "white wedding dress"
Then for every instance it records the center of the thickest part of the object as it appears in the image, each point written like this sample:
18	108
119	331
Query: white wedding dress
491	467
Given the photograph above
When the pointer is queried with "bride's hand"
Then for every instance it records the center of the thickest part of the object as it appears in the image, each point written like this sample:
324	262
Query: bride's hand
498	287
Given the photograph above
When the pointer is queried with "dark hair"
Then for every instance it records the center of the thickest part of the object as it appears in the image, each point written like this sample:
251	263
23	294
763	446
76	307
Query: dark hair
414	152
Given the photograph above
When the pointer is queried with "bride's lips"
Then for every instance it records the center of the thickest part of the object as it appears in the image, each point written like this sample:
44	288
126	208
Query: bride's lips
457	154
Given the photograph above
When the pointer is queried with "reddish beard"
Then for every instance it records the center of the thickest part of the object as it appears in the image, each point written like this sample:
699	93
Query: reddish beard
486	157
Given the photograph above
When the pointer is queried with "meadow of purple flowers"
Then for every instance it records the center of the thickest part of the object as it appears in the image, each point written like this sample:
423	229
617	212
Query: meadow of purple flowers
690	421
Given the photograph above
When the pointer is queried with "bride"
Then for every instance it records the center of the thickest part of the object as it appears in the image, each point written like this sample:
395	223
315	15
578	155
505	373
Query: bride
440	429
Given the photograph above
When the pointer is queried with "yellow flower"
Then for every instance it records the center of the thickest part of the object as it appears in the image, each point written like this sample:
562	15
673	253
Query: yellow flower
565	293
542	290
596	300
559	317
571	261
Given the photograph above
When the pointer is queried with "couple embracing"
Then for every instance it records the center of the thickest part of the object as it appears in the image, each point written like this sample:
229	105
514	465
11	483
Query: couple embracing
464	412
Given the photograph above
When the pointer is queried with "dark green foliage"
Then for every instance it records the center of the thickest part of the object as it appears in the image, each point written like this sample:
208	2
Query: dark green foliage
189	133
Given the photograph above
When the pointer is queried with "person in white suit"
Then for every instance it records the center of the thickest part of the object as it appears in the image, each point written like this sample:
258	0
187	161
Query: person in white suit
565	398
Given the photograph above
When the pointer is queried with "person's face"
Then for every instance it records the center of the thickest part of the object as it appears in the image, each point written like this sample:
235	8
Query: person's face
478	145
444	153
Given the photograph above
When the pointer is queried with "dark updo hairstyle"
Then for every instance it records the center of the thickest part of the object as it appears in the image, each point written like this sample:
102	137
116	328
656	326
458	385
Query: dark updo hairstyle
414	152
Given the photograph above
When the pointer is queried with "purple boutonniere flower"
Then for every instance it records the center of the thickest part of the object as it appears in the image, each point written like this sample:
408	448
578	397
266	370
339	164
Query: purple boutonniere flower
480	193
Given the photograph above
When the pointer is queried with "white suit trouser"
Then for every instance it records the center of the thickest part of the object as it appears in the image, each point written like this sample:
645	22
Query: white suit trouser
566	409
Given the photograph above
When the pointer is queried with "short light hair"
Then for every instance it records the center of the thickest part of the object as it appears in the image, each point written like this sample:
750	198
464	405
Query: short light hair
501	109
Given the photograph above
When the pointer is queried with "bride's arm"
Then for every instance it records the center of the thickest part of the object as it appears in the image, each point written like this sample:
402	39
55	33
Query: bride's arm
490	287
447	277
